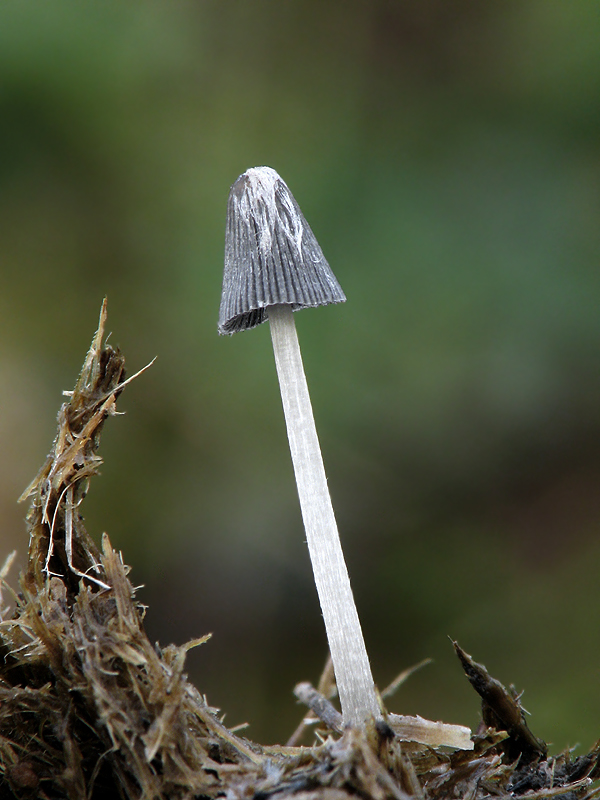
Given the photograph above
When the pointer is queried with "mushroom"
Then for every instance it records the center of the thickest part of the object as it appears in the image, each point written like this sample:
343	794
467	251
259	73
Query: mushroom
274	266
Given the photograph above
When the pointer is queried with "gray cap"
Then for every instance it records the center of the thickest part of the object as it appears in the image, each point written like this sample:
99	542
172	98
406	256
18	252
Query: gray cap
271	254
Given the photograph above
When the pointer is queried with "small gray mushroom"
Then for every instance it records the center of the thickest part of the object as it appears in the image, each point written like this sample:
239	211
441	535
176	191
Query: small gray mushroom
274	266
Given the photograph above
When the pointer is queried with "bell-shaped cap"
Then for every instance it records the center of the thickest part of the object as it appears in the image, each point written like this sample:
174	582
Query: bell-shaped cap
271	254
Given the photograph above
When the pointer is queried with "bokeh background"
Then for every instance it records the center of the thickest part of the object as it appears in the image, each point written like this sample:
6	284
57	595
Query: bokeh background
447	156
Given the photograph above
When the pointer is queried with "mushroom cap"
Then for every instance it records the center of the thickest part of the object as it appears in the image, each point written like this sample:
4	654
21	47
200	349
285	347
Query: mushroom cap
271	254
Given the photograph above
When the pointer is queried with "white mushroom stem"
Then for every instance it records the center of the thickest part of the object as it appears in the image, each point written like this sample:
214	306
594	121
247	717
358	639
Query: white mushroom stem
354	680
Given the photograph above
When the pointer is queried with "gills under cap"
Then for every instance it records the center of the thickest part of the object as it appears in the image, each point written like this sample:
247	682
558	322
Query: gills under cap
271	255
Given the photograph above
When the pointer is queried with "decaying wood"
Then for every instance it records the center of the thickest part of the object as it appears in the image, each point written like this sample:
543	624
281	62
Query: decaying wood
502	710
90	709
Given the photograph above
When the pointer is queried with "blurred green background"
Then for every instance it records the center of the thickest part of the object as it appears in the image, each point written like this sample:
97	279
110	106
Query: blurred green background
447	157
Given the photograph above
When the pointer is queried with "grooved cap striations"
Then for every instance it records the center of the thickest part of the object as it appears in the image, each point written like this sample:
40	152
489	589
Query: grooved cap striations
271	254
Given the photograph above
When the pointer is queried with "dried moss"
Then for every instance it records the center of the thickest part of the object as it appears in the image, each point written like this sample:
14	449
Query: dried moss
89	708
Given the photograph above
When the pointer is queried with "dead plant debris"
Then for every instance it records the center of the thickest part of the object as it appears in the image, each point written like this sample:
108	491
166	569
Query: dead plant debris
90	709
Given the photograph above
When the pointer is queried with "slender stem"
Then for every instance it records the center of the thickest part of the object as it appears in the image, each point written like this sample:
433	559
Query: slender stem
348	652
